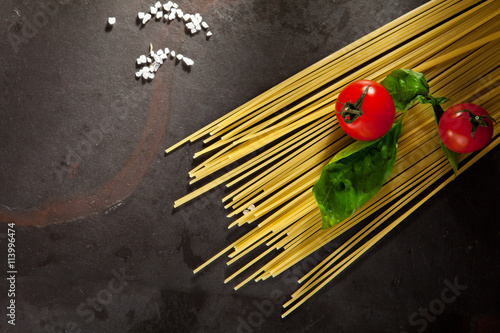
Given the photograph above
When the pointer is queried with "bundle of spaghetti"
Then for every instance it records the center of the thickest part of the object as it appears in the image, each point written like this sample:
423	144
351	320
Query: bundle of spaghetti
272	149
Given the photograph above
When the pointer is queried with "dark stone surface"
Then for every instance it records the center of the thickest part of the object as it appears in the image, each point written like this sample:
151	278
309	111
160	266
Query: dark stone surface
81	144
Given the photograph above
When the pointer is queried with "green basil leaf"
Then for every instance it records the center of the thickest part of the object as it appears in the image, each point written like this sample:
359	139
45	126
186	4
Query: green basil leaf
451	156
404	86
354	175
436	102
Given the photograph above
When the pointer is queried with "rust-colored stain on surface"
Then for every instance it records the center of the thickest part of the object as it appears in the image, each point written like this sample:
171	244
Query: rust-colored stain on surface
119	188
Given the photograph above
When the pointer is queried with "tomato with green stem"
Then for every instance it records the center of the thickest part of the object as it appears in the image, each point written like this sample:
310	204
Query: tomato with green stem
465	128
365	110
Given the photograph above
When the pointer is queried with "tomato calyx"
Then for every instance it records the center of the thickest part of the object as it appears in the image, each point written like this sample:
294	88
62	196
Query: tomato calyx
476	121
351	111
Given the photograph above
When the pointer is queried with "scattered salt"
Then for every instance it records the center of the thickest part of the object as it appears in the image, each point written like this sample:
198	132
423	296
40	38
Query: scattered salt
151	63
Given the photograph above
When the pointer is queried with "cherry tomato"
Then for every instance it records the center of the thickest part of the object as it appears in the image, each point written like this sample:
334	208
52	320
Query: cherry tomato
465	128
365	110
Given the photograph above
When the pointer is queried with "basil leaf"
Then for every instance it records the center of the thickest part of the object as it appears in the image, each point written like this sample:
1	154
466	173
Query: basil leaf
438	112
435	102
404	86
354	175
451	156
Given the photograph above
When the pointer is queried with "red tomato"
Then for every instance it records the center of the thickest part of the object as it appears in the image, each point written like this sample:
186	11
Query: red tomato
365	110
465	128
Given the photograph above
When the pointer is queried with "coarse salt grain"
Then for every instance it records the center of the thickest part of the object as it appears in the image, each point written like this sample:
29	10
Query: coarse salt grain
155	66
111	20
157	59
187	61
146	18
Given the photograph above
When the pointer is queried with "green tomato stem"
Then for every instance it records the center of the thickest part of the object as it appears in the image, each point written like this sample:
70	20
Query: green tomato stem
351	111
476	121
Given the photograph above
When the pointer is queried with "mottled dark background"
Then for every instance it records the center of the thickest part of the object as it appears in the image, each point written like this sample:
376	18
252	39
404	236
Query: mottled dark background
83	173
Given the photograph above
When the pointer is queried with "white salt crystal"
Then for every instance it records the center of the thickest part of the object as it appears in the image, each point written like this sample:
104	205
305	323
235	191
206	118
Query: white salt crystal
146	18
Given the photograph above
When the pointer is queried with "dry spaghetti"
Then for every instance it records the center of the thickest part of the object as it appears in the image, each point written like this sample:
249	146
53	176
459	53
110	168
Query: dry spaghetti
282	139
